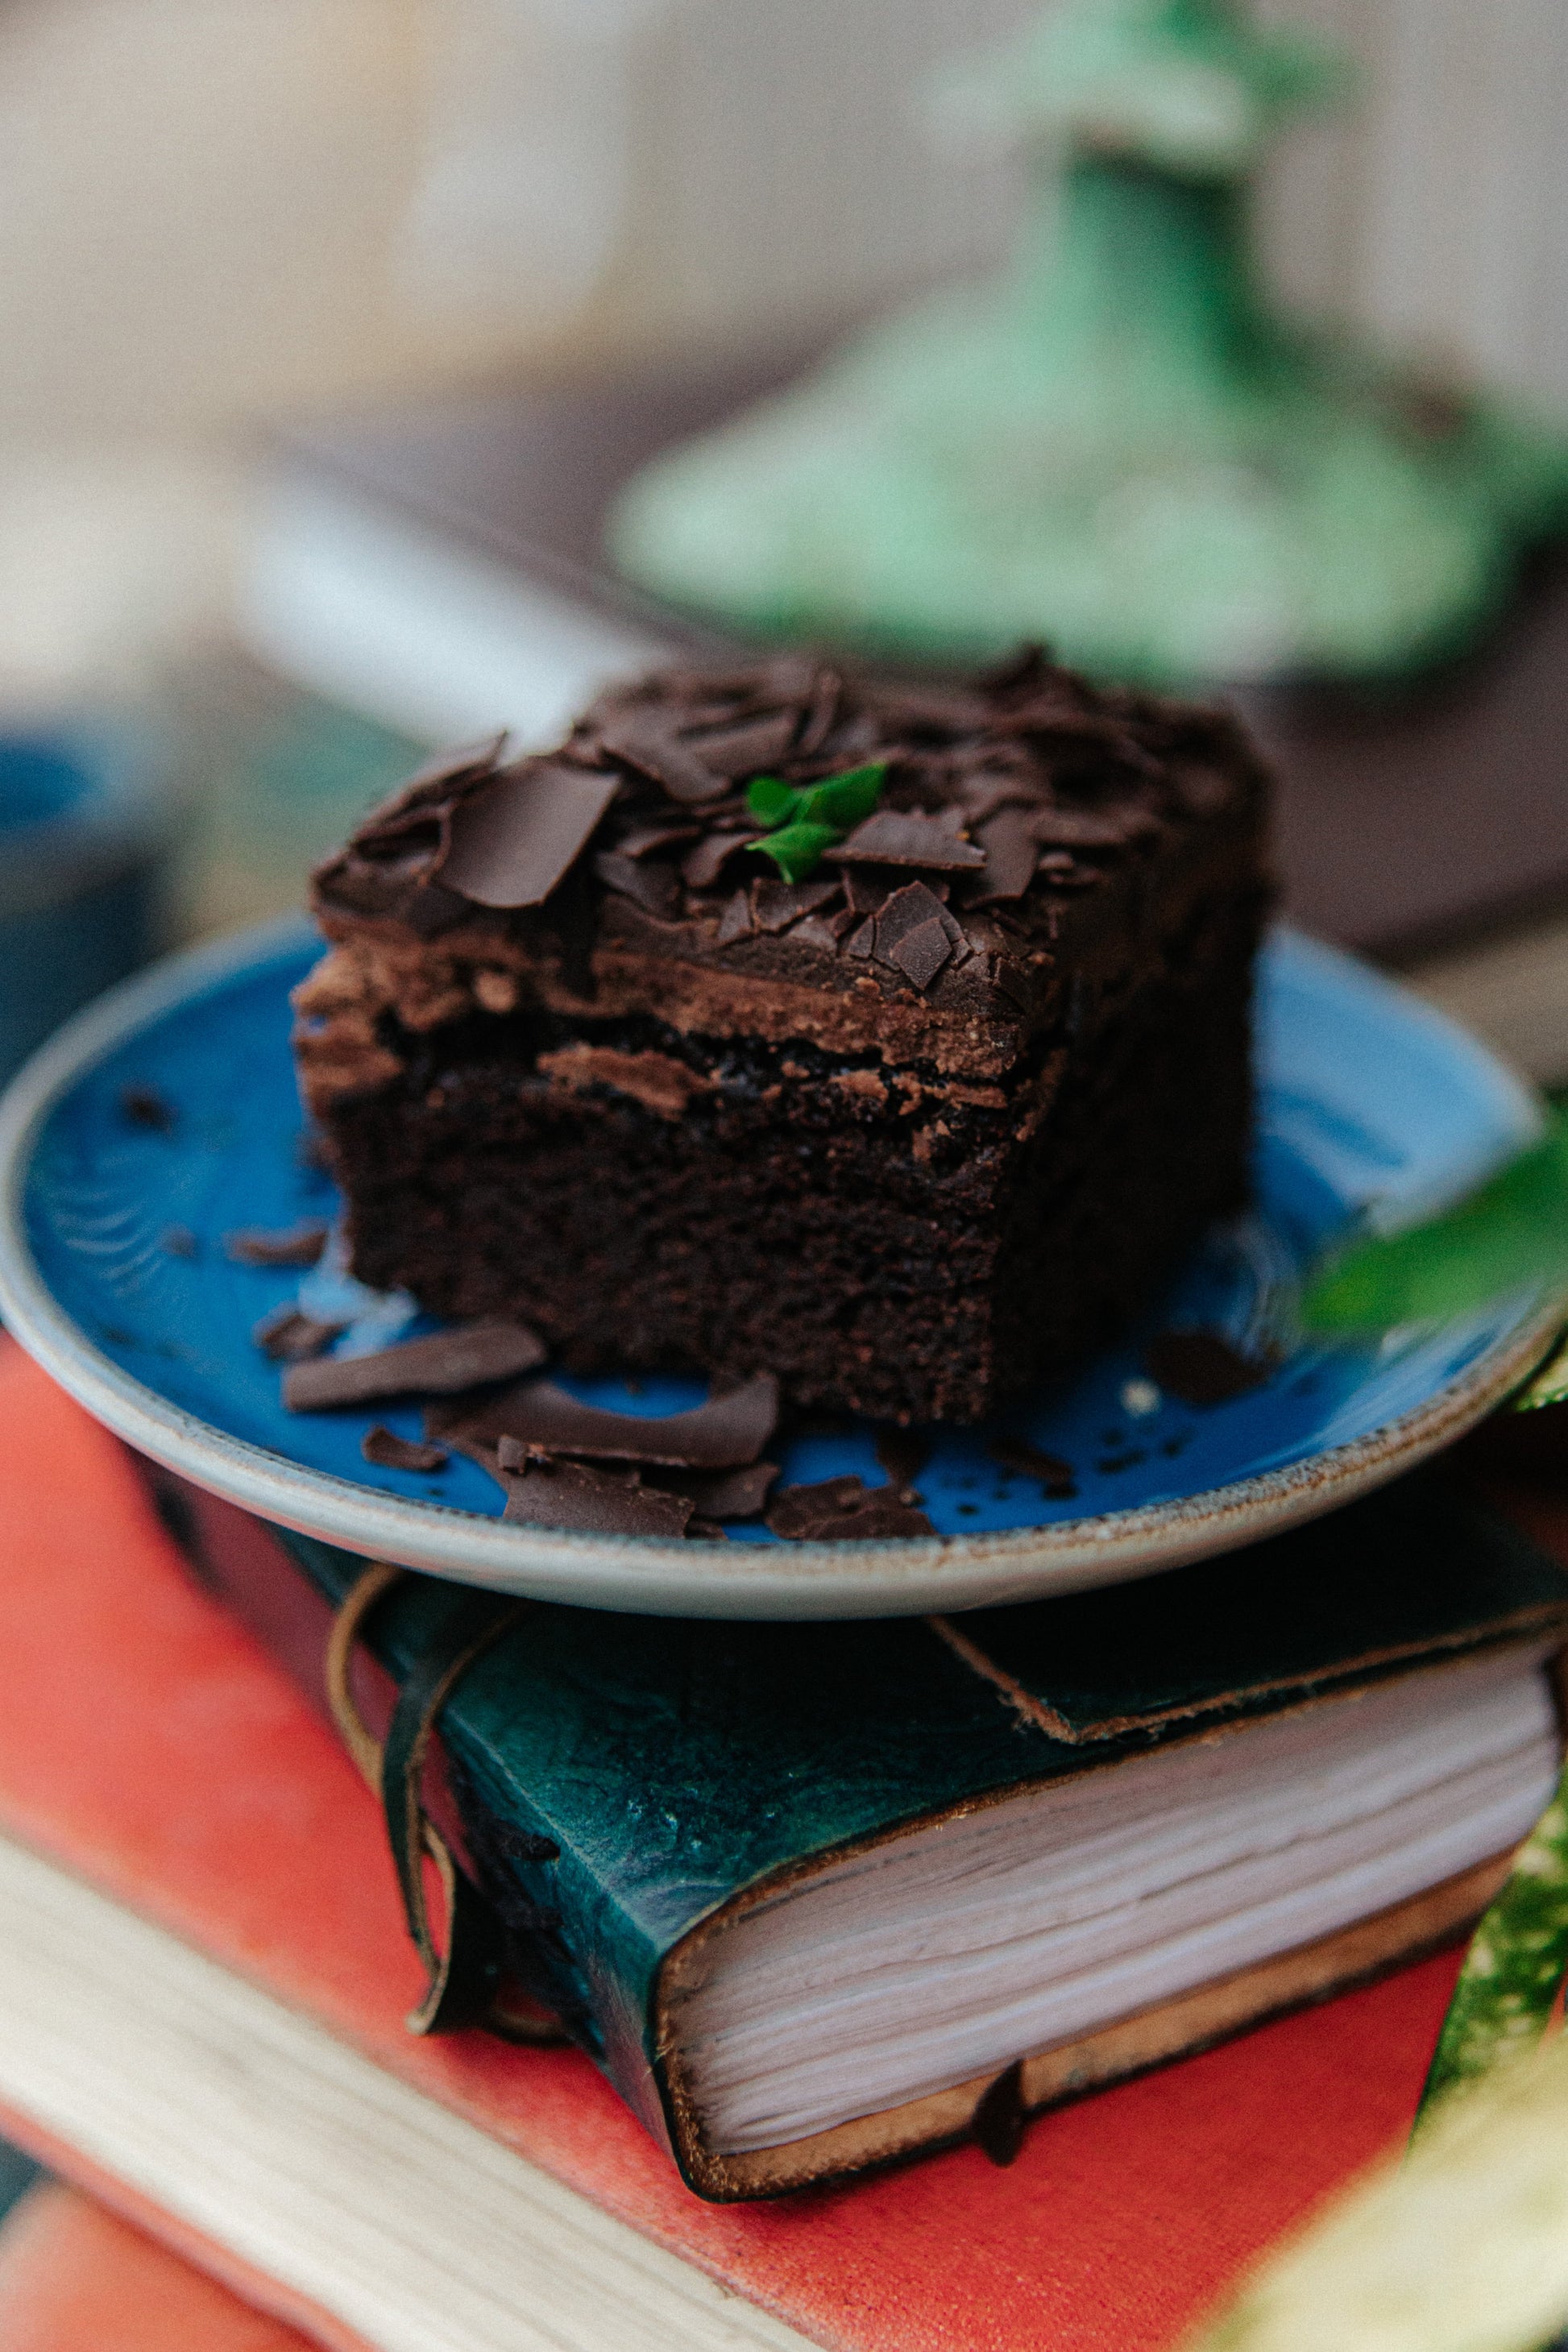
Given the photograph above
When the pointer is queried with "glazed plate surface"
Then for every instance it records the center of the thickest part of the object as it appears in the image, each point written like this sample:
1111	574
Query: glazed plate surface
1373	1109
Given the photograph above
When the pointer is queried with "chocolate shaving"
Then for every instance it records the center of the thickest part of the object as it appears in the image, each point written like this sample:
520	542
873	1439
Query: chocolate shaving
390	1452
866	891
897	837
776	905
747	750
288	1337
642	840
735	922
1083	828
728	1494
827	695
443	1364
903	1455
299	1245
701	867
145	1106
843	1510
1010	853
513	841
1058	1478
1202	1368
921	953
580	1501
906	911
654	749
721	1435
653	888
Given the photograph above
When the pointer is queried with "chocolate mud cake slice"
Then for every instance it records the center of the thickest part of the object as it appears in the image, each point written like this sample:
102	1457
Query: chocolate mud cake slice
891	1039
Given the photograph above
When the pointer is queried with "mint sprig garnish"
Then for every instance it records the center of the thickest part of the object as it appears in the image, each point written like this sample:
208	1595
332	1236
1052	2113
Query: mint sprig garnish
1511	1233
808	819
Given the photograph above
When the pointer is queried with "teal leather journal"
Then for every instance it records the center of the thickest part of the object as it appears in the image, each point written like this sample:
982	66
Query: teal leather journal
817	1896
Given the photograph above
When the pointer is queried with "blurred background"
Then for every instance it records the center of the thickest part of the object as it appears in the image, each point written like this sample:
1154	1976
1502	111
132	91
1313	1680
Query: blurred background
333	326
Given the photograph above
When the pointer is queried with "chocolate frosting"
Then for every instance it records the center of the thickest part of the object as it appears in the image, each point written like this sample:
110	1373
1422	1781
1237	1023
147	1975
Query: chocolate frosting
622	872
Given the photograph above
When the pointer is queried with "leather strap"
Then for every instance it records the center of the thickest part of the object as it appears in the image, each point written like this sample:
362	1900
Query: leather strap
465	1970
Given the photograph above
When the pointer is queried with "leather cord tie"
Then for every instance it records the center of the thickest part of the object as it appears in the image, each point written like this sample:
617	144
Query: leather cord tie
465	1970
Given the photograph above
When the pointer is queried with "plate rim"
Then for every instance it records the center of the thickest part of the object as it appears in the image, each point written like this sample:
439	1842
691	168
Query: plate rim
907	1576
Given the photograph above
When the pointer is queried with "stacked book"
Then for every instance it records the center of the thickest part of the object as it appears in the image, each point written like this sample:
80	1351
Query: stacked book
808	1899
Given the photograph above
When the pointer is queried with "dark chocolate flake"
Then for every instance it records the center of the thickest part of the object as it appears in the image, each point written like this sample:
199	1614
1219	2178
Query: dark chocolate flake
642	840
776	905
516	838
845	1511
443	1364
1203	1368
735	922
1088	828
726	1493
654	749
1057	1479
299	1245
580	1501
1010	853
721	1435
653	888
746	750
701	867
903	1455
921	953
288	1337
895	837
390	1452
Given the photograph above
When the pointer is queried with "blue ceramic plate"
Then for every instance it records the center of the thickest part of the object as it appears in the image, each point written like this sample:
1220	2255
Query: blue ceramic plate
1374	1109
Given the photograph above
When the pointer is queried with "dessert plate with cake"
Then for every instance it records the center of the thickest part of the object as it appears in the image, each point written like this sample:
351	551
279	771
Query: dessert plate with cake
809	1145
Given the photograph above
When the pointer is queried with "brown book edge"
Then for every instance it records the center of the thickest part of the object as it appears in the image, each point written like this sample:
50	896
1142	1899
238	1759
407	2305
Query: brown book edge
1173	2029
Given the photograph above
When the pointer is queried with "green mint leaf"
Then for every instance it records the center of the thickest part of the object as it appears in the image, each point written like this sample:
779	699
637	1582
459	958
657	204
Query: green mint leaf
797	848
772	801
844	801
1512	1232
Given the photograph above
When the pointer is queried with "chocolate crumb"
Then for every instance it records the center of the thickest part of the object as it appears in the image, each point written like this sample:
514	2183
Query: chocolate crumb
178	1241
443	1364
145	1106
1202	1368
390	1452
299	1245
290	1337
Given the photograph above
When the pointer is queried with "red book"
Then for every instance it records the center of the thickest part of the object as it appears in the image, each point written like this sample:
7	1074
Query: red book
76	2278
223	2037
